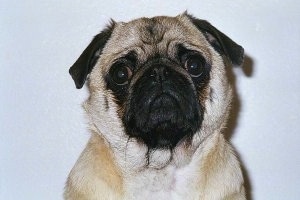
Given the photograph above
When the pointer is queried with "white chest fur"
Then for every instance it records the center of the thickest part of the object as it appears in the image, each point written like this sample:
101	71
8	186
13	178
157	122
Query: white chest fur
151	184
167	183
211	173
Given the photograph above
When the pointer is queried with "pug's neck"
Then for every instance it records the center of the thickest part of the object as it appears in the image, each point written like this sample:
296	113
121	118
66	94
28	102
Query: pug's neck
136	157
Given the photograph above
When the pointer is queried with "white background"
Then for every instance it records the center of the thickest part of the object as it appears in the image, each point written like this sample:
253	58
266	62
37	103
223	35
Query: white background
43	128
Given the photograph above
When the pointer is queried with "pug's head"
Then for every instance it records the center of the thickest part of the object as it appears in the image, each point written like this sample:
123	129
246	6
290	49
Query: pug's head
157	80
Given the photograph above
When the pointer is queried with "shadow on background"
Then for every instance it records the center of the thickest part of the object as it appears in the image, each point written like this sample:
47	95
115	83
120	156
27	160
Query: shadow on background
232	123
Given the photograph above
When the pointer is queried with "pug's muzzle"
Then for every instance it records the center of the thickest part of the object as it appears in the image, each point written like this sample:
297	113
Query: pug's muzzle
162	106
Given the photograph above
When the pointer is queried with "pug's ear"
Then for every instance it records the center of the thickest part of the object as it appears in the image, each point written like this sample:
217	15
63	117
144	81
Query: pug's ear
86	61
220	42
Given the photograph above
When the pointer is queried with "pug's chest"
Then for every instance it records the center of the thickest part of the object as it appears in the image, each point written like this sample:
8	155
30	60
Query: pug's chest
169	183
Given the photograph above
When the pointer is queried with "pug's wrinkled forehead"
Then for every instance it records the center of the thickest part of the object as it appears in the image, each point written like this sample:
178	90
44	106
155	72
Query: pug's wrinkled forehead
148	37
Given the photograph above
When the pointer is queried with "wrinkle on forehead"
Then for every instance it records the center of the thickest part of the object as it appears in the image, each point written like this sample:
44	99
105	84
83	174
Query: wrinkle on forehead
150	36
148	31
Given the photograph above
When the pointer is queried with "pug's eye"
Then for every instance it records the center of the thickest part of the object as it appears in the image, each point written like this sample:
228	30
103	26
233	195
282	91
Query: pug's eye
121	74
195	66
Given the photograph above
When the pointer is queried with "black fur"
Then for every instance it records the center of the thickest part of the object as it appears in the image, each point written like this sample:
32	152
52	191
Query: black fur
150	28
86	61
121	91
162	109
222	43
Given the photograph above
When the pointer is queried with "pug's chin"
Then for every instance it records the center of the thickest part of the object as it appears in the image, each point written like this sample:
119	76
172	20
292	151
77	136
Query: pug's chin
165	135
169	137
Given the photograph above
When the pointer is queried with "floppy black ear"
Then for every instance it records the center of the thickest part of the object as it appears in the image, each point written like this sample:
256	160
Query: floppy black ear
220	42
86	61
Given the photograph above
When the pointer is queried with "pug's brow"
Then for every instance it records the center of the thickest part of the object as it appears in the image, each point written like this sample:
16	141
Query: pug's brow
131	56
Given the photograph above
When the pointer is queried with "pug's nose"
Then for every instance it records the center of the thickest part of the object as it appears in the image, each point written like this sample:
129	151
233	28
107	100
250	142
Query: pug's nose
159	73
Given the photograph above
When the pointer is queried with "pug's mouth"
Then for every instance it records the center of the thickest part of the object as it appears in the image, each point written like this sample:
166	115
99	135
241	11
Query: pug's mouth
164	122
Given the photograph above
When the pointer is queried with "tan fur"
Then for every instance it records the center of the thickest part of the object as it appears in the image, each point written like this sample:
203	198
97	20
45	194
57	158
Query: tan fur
113	167
95	173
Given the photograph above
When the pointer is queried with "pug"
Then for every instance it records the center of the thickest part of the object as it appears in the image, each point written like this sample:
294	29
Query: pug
159	100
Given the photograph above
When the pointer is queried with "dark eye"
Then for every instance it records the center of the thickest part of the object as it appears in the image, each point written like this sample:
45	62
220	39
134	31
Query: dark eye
121	74
195	66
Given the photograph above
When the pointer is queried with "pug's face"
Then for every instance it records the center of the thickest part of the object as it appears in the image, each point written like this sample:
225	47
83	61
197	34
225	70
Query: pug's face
161	80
